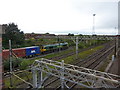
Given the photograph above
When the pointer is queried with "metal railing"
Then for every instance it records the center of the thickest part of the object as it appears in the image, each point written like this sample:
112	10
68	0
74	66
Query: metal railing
82	76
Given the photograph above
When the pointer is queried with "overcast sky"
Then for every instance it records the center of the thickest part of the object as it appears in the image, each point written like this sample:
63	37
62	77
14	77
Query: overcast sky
61	16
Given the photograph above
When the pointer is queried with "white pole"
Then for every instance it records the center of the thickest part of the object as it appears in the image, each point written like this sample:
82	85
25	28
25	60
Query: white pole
40	76
34	77
62	75
113	58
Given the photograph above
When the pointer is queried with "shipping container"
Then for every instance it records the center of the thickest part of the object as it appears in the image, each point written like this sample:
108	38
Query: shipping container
5	54
19	52
34	50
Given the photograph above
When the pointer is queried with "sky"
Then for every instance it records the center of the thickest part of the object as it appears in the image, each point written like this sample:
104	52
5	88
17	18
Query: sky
61	16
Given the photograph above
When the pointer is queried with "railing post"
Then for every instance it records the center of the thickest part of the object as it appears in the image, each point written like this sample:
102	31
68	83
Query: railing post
62	75
34	77
40	76
113	57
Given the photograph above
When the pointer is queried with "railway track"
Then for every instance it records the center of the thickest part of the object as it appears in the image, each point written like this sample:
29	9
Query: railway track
6	73
94	63
55	80
48	83
93	57
72	53
18	71
90	62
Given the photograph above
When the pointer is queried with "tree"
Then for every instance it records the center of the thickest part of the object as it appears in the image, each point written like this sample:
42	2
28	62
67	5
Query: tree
14	34
32	33
70	34
47	33
80	35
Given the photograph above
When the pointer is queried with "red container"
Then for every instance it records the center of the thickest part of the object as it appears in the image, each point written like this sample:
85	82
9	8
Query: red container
19	52
5	54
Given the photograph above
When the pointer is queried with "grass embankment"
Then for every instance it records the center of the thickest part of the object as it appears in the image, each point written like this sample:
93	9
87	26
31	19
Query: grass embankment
15	81
81	55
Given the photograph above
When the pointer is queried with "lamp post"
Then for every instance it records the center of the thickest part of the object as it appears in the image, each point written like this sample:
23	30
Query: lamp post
93	24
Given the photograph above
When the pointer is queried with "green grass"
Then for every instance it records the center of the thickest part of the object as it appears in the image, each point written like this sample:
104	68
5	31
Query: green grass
59	53
81	55
16	81
25	63
70	59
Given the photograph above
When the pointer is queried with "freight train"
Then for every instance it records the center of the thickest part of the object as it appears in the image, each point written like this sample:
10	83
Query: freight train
34	50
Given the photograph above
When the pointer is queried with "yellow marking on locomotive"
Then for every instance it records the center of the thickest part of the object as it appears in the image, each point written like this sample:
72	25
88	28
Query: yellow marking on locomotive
42	50
37	54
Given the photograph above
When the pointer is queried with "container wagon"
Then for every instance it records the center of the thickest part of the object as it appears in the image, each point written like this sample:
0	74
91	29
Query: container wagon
19	52
32	51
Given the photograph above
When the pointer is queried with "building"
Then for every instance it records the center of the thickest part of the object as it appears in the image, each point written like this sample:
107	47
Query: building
37	36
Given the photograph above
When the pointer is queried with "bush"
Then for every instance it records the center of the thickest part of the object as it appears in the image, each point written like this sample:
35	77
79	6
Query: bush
15	63
25	63
41	39
6	65
82	45
71	43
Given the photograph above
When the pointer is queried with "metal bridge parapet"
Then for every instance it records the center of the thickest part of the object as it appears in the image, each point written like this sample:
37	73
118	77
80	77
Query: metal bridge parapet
79	75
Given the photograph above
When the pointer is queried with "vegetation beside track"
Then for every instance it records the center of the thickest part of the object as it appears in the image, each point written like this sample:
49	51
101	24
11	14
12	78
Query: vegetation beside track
81	55
23	63
27	75
60	53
